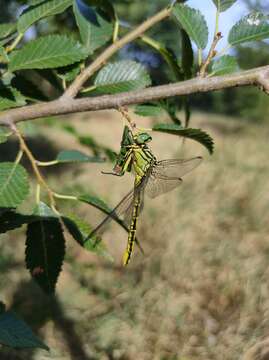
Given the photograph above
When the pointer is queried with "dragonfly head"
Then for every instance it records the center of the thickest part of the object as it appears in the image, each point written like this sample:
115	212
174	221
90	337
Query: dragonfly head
142	138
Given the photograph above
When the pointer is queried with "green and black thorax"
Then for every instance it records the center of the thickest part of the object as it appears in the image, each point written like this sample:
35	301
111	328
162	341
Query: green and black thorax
134	155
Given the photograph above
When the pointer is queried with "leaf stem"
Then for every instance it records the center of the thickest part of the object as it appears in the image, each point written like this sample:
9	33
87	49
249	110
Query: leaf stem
19	156
47	163
65	197
14	43
116	30
38	193
40	179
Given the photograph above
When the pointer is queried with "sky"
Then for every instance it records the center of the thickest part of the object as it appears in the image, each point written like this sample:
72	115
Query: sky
227	18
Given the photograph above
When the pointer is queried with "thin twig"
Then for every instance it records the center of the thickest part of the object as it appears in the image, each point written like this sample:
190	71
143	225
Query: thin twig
124	113
212	53
40	179
76	86
258	77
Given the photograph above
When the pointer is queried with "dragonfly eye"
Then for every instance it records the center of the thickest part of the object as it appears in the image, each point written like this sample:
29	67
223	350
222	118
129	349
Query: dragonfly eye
143	138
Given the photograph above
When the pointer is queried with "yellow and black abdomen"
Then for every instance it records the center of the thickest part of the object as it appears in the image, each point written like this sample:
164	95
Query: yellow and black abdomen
132	231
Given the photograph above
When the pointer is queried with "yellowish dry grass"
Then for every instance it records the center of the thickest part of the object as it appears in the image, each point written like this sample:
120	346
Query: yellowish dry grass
201	291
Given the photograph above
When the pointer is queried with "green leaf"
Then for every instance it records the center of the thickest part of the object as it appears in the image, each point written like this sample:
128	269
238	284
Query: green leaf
7	29
14	184
167	54
45	250
70	72
3	56
80	230
50	51
252	27
193	22
223	5
39	11
44	211
125	75
195	134
95	202
3	134
224	65
10	98
149	110
93	34
15	333
102	206
76	156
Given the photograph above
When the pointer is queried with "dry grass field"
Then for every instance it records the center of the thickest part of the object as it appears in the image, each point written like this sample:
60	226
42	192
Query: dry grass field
200	292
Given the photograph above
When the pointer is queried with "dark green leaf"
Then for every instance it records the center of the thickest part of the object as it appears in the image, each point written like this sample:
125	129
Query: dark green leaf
94	34
27	88
15	333
252	27
69	73
50	51
3	134
224	65
14	184
45	249
95	202
10	220
76	156
167	54
41	10
223	5
193	22
104	5
187	57
10	98
80	230
149	110
125	75
195	134
102	206
51	77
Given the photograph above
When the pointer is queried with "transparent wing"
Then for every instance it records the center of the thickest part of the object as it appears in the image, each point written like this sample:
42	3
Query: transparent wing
166	175
123	209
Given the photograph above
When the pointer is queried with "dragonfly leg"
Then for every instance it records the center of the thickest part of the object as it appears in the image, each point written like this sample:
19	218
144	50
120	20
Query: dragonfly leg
111	173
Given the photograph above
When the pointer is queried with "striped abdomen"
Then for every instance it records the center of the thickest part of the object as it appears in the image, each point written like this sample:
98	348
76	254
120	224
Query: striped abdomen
132	231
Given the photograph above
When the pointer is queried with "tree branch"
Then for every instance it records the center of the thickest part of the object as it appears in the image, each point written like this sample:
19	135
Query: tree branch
75	87
258	77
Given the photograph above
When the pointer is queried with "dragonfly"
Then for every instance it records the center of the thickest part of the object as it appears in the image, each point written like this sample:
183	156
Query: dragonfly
152	177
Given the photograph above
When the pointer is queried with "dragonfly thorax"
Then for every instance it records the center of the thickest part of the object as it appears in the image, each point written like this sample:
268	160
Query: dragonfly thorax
142	138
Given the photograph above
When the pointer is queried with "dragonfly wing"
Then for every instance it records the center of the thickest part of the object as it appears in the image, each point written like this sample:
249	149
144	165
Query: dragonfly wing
124	205
160	185
176	167
166	175
129	212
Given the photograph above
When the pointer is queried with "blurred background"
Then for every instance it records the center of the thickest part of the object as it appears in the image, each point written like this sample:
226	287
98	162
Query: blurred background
200	292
